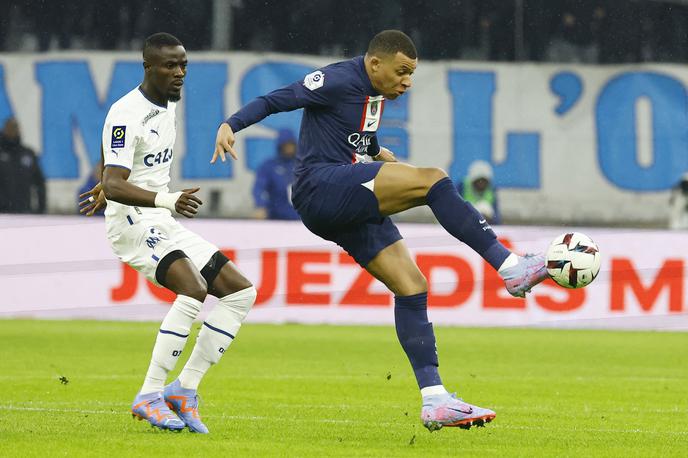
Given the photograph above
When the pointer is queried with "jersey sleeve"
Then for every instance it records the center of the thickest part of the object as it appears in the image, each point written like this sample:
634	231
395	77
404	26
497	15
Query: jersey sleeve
120	138
317	89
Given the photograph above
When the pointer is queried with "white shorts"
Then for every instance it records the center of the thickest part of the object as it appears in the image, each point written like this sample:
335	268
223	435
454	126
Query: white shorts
145	242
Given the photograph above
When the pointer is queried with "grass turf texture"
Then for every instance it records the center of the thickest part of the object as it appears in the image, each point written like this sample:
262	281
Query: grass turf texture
348	391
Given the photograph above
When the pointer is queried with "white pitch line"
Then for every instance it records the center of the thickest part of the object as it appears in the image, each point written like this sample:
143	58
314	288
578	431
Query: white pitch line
500	409
360	376
46	409
231	417
230	376
353	422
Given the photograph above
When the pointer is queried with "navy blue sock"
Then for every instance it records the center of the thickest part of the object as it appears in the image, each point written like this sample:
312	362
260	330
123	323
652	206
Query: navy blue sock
417	337
464	222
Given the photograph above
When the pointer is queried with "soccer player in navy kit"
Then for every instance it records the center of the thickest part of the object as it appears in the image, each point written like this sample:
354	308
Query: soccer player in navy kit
349	203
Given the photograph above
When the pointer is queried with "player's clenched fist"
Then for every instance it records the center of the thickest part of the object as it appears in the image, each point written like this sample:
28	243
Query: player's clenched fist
224	143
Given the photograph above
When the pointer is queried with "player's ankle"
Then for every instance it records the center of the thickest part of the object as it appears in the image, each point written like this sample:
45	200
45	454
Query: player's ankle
433	390
510	261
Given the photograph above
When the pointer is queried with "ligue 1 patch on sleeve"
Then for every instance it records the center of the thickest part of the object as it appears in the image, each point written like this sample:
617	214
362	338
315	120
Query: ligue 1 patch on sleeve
314	80
118	135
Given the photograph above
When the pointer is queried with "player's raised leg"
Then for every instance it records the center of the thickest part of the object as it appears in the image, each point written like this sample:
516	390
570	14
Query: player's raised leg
177	273
236	295
399	187
394	267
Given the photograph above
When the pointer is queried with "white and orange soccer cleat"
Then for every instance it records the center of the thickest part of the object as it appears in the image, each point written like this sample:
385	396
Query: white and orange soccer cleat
447	410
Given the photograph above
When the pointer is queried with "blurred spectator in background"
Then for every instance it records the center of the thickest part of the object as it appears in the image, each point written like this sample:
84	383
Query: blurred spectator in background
22	186
678	204
93	179
573	38
272	189
588	31
477	188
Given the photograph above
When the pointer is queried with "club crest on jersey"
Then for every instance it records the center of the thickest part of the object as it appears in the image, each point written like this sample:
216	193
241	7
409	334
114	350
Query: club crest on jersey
118	136
314	80
372	112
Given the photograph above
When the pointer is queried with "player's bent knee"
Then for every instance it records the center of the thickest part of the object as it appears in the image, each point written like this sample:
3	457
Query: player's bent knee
432	175
221	280
421	283
245	283
196	288
416	284
410	284
193	286
241	284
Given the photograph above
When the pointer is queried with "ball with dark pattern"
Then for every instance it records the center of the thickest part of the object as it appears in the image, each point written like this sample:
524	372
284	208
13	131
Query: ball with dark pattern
573	260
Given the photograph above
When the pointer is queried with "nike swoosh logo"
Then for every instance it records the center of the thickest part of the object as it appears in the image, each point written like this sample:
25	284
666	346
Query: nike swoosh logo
482	221
469	411
370	123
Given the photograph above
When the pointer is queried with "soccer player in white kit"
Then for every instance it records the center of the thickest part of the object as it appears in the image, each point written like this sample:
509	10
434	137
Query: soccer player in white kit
138	142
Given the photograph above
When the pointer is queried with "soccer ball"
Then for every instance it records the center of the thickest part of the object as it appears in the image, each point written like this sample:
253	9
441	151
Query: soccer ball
573	260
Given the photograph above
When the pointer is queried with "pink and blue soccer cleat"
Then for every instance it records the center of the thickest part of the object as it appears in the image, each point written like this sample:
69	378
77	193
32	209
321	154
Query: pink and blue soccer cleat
529	271
447	410
152	408
184	402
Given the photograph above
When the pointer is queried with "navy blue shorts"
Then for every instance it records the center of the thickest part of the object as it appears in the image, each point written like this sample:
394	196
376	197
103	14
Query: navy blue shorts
334	204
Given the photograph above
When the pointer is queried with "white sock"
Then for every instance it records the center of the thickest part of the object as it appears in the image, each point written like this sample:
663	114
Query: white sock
218	331
510	261
170	342
433	390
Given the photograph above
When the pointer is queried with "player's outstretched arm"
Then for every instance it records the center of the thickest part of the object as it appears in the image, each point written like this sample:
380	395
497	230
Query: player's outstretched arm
312	91
224	143
118	189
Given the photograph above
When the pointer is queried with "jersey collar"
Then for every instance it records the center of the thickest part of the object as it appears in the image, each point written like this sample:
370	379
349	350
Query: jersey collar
146	97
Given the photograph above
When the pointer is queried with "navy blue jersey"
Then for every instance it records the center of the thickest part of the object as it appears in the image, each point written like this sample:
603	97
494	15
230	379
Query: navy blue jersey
342	113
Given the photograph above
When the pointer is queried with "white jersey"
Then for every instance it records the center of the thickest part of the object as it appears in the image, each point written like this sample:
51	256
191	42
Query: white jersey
139	136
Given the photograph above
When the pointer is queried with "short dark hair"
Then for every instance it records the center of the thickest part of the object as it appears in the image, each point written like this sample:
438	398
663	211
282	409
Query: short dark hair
391	42
159	40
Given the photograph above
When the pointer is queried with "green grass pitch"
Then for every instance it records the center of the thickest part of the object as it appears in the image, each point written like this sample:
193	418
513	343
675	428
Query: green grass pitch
348	391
